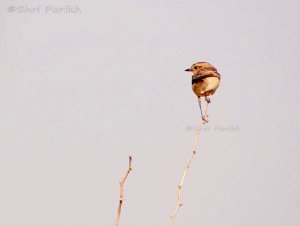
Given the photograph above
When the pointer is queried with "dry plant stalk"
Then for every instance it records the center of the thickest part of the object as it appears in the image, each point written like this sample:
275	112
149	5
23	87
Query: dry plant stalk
187	166
121	182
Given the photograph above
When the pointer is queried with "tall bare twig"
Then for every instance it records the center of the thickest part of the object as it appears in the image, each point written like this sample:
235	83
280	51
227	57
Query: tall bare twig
187	166
121	182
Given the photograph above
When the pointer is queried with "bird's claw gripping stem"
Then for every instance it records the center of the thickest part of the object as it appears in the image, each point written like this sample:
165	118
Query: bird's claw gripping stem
207	99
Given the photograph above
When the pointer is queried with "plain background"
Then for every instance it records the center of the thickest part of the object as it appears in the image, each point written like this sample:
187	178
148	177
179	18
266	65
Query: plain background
80	92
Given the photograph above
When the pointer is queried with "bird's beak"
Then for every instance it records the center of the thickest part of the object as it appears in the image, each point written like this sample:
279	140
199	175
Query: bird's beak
189	69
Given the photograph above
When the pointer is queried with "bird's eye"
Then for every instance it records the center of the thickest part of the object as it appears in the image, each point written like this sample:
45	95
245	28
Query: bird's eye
196	67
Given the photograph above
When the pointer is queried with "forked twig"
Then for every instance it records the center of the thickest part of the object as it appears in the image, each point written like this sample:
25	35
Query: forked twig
187	166
121	182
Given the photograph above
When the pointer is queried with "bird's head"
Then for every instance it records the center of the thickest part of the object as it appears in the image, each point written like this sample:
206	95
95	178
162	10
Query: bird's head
200	67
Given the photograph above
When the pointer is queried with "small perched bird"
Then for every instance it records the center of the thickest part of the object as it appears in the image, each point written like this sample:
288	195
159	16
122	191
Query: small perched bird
205	81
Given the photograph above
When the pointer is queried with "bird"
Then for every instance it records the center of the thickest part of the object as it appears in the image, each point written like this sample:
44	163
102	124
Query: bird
205	82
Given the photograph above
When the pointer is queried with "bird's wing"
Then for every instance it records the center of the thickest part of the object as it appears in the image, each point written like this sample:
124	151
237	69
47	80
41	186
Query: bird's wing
205	74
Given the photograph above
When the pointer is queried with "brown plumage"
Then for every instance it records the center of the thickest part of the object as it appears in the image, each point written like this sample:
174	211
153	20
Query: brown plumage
205	81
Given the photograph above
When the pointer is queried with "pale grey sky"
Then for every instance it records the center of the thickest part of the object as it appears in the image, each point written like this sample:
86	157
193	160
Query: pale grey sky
80	92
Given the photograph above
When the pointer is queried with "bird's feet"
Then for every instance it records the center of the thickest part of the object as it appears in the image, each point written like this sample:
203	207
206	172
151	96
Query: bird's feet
207	99
205	119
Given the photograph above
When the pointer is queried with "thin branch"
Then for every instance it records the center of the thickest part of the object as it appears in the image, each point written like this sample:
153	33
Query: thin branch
187	166
122	182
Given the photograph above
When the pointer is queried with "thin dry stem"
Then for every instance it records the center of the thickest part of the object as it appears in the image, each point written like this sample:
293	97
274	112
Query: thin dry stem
122	182
187	166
